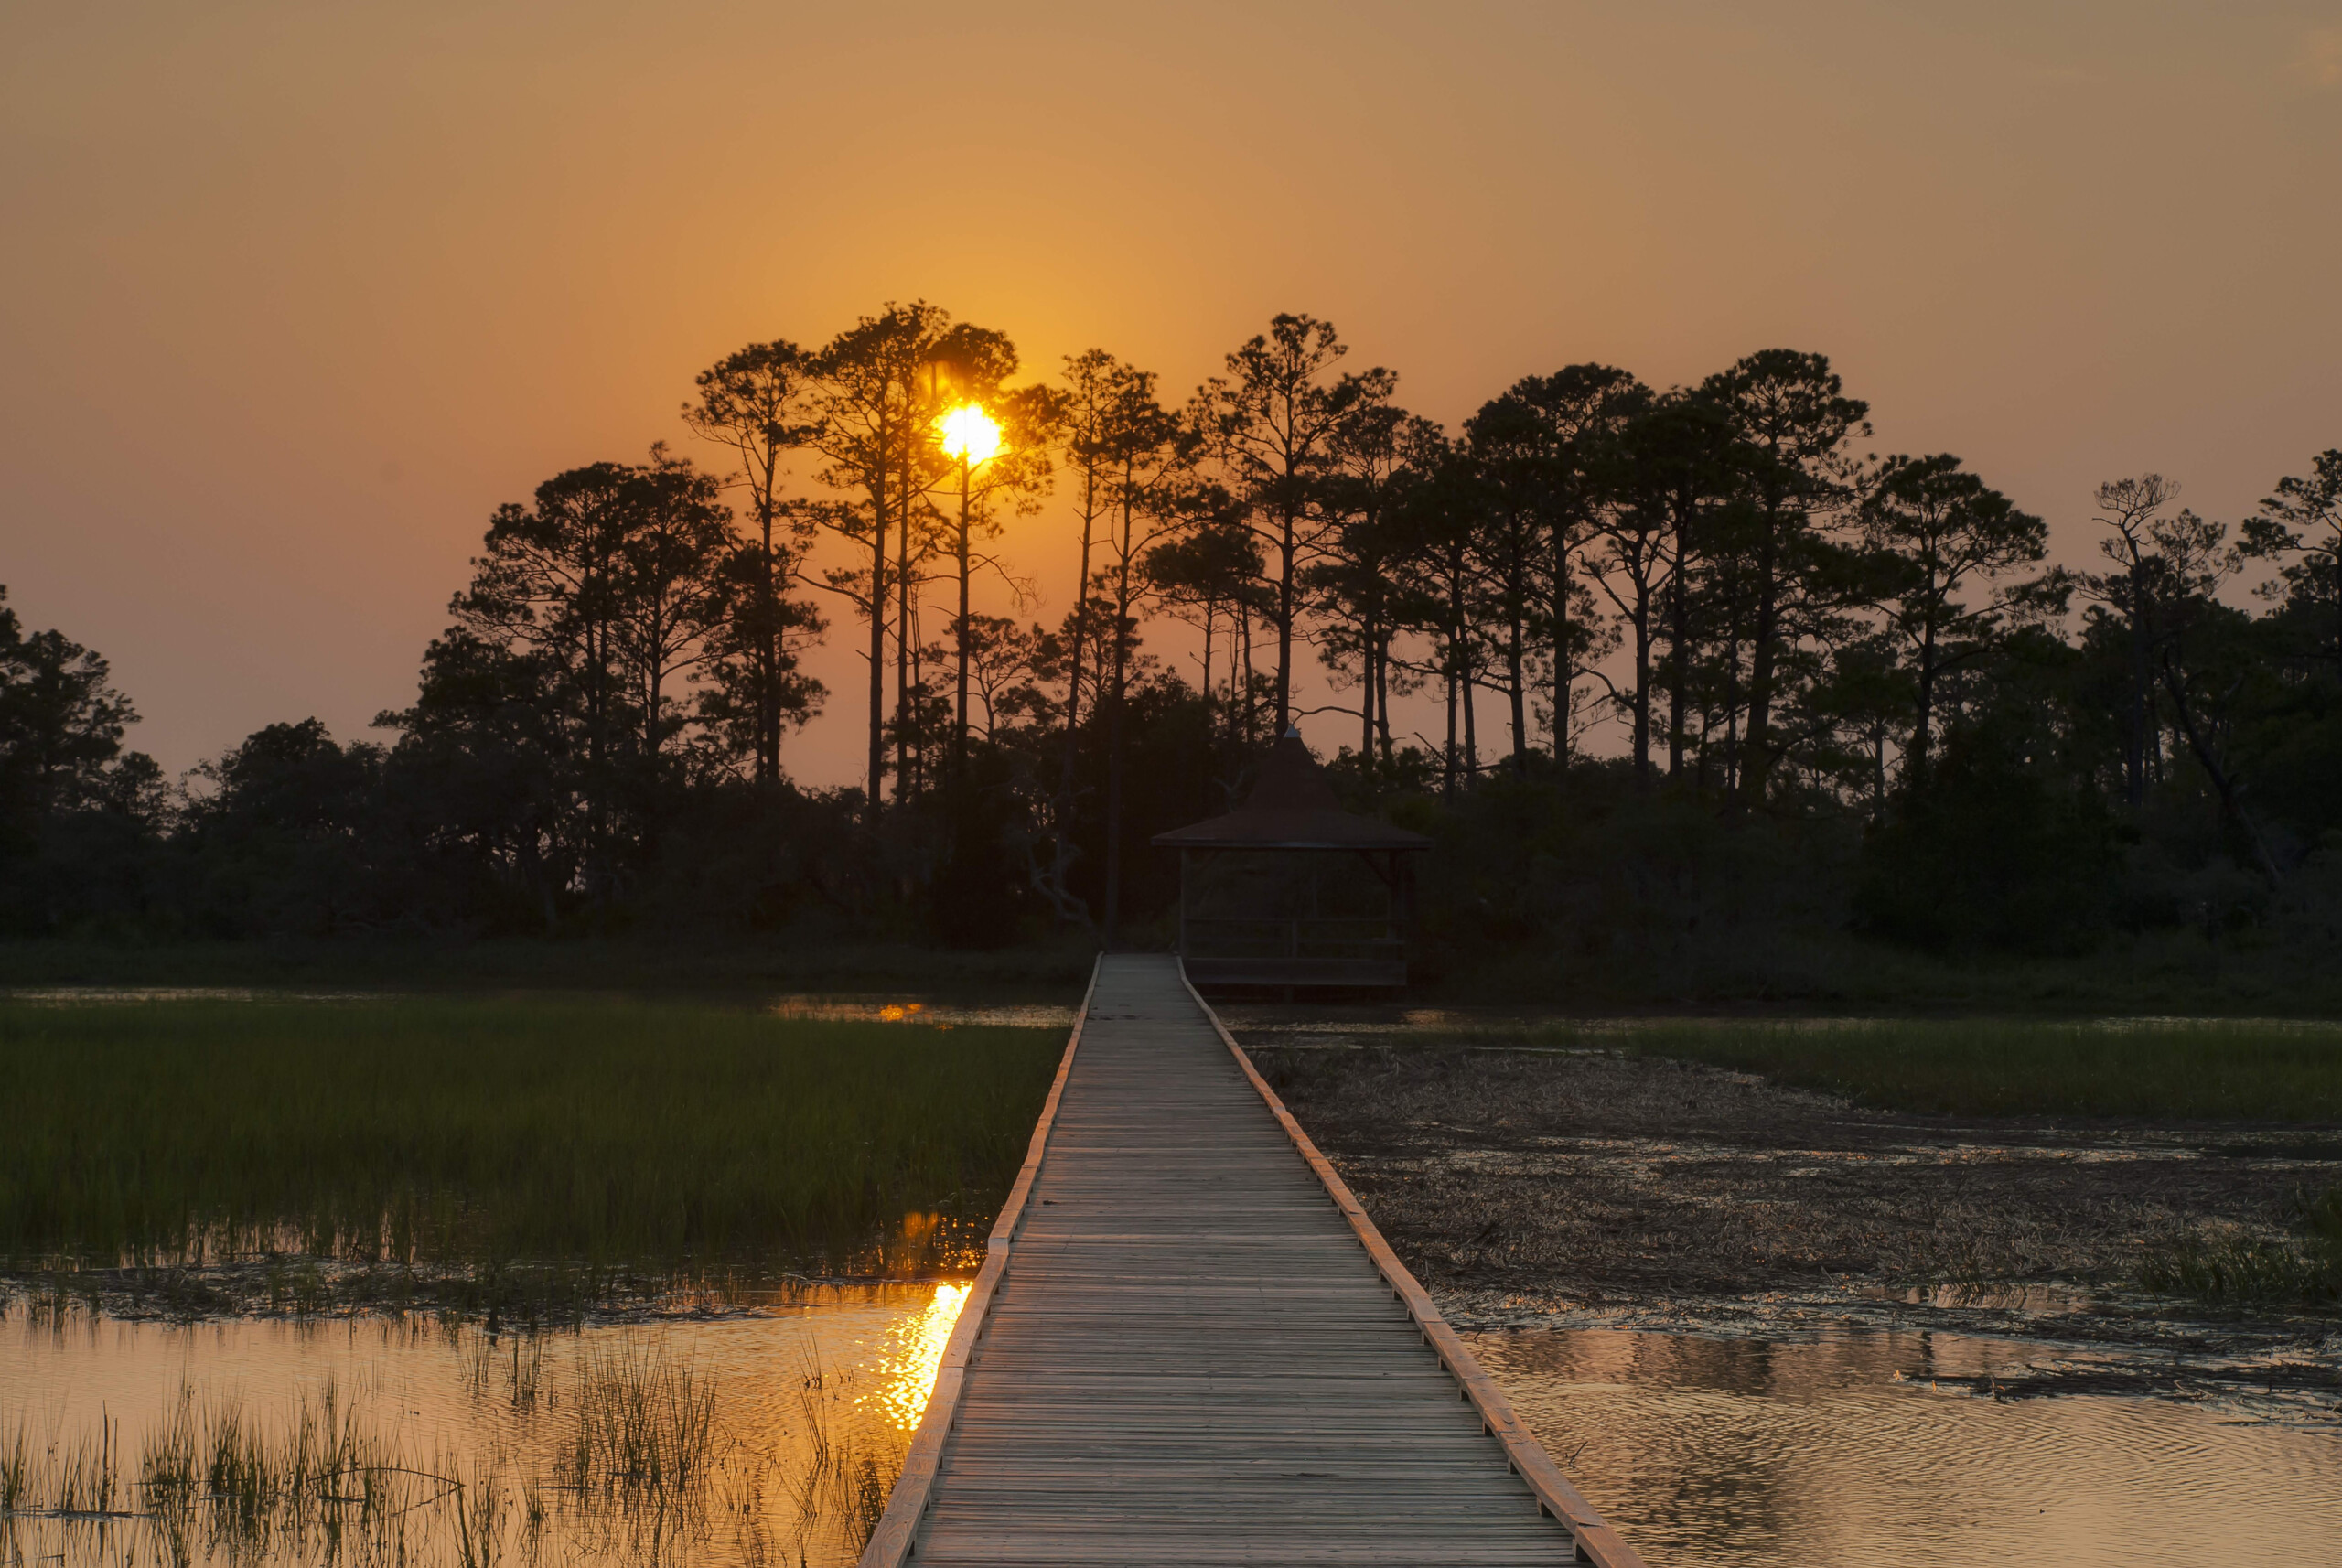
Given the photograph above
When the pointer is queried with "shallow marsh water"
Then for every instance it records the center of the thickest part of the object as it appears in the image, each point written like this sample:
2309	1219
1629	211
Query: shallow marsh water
792	1422
1867	1448
1853	1448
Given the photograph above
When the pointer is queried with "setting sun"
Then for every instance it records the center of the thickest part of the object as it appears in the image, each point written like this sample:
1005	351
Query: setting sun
969	433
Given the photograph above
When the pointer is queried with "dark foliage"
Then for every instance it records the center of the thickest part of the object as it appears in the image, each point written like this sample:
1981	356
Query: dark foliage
1848	695
1992	852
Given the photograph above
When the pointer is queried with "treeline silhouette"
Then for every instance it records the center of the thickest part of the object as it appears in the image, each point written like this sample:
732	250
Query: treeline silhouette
1702	673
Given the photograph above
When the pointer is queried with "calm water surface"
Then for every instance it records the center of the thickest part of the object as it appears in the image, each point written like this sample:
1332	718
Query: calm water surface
1833	1450
808	1408
1838	1450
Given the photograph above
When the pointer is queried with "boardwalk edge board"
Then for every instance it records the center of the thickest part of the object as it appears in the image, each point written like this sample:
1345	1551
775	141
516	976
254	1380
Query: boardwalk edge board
891	1542
1596	1541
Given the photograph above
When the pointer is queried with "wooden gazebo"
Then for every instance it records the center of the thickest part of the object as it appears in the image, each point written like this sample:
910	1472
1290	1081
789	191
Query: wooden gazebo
1272	893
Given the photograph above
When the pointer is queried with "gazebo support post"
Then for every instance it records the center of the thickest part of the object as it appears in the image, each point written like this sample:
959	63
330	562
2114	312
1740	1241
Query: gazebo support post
1183	903
1398	903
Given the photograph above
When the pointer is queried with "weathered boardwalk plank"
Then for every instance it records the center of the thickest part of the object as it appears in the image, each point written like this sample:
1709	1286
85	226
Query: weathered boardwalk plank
1188	1345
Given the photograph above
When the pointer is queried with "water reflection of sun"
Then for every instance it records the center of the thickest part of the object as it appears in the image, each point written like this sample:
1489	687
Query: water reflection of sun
914	1351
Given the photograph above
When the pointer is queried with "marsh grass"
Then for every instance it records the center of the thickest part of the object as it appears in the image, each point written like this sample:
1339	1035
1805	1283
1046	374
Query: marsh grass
2229	1267
518	1364
840	1479
216	1481
78	1481
521	1156
646	1461
642	1423
2185	1069
2229	1270
627	1458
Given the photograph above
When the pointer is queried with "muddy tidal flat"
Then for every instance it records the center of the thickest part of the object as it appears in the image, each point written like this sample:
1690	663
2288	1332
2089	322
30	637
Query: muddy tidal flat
1538	1189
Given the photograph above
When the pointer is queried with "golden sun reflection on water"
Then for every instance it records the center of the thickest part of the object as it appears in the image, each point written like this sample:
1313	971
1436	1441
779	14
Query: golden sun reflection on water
914	1352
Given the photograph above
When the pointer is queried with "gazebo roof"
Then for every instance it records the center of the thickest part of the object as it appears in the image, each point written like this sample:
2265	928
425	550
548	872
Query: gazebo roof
1292	806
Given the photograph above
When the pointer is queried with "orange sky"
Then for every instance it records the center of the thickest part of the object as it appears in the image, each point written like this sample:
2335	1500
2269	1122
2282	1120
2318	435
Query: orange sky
292	296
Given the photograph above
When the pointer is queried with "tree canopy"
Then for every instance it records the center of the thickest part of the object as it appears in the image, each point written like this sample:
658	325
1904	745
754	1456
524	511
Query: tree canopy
1695	614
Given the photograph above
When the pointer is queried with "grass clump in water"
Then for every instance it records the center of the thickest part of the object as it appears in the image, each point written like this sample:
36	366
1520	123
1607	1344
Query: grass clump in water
642	1425
842	1483
82	1481
498	1139
218	1475
2229	1268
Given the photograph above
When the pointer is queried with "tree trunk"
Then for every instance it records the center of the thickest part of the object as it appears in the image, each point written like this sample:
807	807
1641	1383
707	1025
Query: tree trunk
1080	624
1516	693
768	712
1752	771
1642	691
1382	696
1471	731
1923	719
906	778
1115	800
769	655
1731	754
1561	672
1447	781
1115	726
877	648
1286	551
2134	741
1210	738
1678	668
960	713
2231	791
1252	720
1113	822
904	782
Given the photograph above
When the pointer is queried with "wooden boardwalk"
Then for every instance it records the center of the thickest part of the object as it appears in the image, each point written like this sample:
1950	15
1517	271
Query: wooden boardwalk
1189	1346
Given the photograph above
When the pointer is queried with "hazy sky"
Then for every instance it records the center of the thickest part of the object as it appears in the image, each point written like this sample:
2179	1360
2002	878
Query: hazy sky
291	296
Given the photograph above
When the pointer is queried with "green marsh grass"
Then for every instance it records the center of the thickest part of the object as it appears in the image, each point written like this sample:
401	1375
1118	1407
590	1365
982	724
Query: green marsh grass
2225	1267
2187	1070
572	1134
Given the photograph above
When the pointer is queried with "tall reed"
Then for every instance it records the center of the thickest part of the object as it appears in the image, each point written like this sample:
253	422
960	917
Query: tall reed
642	1423
627	1458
